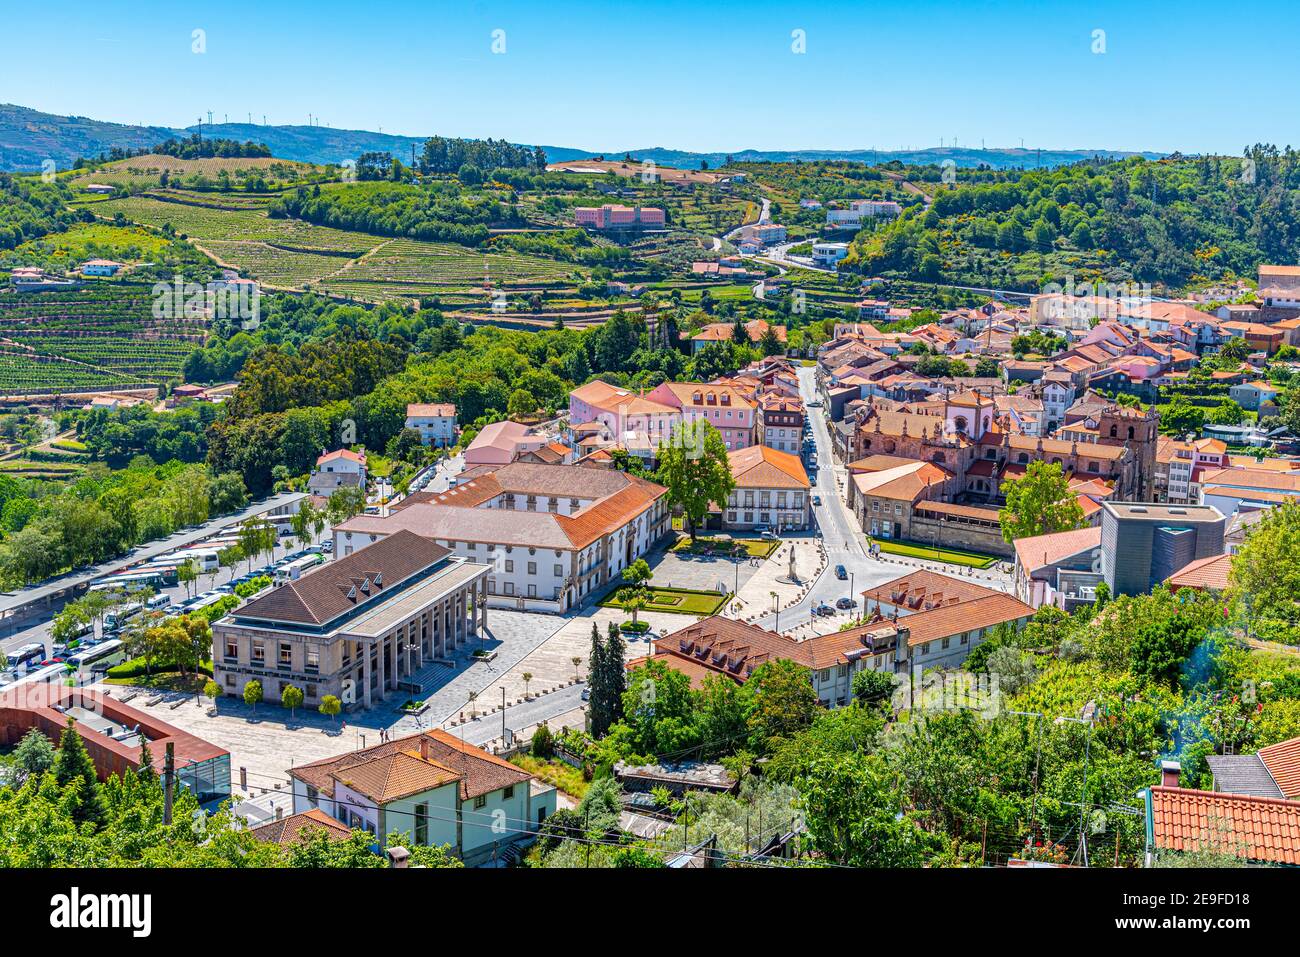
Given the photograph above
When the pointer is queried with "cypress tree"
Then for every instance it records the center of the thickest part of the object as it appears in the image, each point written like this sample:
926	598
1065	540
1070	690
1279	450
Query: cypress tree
74	766
598	694
616	673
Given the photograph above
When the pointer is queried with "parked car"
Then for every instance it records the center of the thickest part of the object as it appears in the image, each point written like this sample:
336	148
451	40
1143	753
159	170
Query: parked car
823	609
817	500
841	572
846	602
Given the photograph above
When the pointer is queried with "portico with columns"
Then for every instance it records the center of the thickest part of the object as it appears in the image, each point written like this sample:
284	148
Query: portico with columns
358	628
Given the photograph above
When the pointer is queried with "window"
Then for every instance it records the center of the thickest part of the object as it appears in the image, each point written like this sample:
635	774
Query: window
559	571
510	588
232	650
422	823
510	565
286	653
509	792
259	651
313	658
309	692
480	801
532	568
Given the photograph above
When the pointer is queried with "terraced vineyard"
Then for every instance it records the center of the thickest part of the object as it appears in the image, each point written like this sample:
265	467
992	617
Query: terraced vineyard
89	338
455	274
30	374
277	266
209	222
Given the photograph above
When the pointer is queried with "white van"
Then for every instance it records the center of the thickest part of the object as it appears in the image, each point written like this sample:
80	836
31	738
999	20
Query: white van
157	602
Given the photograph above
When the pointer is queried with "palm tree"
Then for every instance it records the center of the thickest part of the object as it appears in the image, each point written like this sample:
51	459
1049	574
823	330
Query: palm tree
577	663
527	676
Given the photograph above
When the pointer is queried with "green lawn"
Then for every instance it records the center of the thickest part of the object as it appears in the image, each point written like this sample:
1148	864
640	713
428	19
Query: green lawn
912	550
681	601
756	547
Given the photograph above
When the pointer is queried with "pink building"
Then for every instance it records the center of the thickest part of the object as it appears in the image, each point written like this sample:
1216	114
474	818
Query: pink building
621	412
501	443
612	216
725	408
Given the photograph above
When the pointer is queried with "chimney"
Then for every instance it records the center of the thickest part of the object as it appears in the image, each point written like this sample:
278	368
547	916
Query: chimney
1169	772
424	747
398	856
279	812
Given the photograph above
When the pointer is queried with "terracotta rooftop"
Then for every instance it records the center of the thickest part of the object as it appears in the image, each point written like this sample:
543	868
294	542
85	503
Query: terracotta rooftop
1204	574
922	590
984	612
1283	762
1038	551
292	829
338	587
1255	828
479	772
761	467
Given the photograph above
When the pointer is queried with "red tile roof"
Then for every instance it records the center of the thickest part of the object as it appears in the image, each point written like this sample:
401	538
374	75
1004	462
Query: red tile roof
292	829
1204	574
1254	828
1283	762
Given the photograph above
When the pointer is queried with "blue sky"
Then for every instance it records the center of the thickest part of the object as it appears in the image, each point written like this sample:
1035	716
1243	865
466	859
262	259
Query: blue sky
691	75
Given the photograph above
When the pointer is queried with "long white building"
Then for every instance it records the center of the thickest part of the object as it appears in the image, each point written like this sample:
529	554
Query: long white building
555	535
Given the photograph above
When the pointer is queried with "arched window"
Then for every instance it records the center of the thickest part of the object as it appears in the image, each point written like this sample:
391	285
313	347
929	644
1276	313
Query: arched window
1022	458
1130	433
960	423
1113	431
938	457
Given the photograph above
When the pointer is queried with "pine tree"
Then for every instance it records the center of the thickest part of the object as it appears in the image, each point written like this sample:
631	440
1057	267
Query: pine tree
73	766
145	771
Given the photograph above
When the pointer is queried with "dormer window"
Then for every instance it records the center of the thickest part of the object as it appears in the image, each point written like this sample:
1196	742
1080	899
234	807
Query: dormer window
379	579
352	593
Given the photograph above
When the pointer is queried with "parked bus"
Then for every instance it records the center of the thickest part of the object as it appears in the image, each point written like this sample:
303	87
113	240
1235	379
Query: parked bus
290	571
204	560
203	601
100	658
30	654
116	618
131	581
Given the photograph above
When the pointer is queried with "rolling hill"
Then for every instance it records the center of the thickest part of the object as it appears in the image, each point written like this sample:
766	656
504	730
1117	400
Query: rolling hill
29	137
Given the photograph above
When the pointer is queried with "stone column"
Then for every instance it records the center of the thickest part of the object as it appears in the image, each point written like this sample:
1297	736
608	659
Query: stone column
383	677
365	673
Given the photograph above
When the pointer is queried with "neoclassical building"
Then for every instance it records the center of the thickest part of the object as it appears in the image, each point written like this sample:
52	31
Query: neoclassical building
357	627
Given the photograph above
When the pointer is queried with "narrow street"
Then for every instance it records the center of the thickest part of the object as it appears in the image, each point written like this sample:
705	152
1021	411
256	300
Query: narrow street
845	543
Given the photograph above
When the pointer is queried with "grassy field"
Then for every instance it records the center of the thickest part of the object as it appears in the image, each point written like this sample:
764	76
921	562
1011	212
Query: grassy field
952	557
680	601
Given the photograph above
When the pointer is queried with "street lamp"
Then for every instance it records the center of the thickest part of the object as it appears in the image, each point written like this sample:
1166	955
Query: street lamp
776	607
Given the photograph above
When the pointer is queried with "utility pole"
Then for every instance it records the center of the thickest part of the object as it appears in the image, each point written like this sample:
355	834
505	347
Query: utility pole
1083	801
169	776
503	715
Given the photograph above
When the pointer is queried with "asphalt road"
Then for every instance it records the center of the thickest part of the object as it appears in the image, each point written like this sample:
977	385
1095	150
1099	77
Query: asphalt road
542	708
845	543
